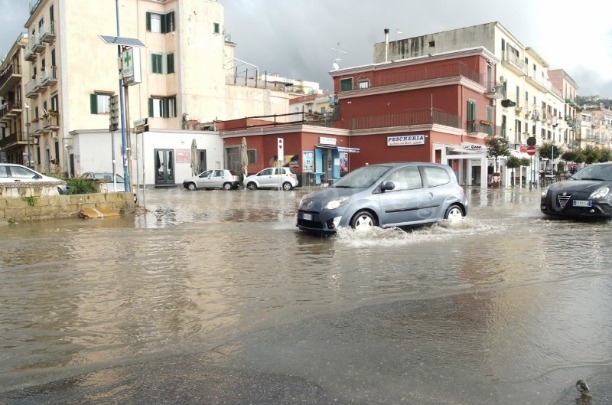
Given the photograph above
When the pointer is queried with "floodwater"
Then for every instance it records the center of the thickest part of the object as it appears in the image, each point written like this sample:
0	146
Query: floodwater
215	297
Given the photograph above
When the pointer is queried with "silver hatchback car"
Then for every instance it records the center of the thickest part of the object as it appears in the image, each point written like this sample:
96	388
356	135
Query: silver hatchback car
385	195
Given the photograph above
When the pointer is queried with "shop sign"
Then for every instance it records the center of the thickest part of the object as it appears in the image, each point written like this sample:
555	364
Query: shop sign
472	147
308	160
327	141
403	140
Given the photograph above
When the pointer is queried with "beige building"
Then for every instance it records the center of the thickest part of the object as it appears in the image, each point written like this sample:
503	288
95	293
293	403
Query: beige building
186	64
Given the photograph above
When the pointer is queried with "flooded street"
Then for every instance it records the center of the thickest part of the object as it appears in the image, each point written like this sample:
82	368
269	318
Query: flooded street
215	297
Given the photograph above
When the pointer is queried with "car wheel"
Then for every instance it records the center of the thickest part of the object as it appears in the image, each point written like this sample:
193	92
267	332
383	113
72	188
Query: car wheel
363	220
191	186
454	213
287	186
252	186
227	186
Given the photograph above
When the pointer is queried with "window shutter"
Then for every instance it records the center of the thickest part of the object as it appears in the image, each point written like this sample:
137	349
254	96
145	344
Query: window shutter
170	63
93	103
150	107
148	21
170	22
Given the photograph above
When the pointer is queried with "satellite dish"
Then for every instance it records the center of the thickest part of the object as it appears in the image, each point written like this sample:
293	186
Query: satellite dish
336	66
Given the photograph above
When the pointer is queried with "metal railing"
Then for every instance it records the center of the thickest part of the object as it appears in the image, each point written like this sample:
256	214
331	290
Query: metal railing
413	117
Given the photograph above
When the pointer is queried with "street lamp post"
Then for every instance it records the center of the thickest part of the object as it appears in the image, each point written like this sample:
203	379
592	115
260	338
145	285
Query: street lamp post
27	108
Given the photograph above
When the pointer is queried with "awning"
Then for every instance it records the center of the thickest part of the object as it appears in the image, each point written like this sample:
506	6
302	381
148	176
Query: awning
349	150
340	148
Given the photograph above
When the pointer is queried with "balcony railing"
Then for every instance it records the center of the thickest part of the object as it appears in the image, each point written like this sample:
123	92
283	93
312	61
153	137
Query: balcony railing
407	118
32	88
447	70
48	76
516	63
479	127
47	32
51	121
11	108
9	77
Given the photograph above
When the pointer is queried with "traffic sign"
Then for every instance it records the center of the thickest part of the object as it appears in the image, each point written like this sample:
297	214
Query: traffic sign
531	150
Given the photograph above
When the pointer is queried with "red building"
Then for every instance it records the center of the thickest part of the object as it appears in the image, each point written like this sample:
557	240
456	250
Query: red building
434	109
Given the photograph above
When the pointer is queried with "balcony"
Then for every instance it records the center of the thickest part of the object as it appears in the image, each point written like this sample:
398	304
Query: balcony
32	88
480	127
10	109
8	141
9	78
48	76
29	53
513	62
37	44
541	84
424	116
495	91
51	121
47	33
36	127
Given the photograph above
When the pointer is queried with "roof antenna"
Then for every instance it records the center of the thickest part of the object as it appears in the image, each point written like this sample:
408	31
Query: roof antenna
336	64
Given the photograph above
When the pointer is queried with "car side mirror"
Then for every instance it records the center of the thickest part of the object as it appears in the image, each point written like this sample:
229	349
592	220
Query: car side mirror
37	176
387	186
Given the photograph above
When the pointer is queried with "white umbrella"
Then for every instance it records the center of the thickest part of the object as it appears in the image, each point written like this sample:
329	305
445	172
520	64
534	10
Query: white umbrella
195	162
244	157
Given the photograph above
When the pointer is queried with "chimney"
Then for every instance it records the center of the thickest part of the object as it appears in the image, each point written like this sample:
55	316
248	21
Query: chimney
386	44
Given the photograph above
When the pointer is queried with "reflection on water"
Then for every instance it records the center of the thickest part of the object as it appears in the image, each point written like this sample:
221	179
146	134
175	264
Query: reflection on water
515	295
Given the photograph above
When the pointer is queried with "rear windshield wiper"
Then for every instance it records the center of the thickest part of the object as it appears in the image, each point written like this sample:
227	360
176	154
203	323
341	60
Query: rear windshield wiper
592	178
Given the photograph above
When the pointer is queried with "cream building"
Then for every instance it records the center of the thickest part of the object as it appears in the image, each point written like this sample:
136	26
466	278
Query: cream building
186	66
527	104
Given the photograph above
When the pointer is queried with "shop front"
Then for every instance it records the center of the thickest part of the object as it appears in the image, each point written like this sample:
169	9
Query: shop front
330	160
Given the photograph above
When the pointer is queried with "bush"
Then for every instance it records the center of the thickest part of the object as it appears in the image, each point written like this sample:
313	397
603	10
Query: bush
80	186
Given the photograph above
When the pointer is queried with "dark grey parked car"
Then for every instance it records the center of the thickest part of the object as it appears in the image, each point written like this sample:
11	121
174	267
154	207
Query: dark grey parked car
385	195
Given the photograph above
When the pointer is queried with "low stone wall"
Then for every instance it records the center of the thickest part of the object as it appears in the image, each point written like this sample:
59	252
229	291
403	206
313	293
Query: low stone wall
36	203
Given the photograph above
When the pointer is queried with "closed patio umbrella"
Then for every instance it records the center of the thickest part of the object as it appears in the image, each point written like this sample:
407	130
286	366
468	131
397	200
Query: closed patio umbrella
244	157
195	163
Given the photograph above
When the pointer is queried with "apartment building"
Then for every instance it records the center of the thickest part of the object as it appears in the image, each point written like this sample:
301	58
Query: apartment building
527	104
187	81
15	142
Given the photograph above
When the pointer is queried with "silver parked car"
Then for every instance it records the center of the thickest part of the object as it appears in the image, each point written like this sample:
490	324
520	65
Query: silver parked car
14	173
218	178
272	177
385	195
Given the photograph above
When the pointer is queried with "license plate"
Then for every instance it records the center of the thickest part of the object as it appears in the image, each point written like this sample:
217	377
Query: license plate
306	217
582	203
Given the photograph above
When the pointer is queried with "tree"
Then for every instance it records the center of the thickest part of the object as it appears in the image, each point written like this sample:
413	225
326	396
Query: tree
546	149
605	155
591	154
513	162
497	146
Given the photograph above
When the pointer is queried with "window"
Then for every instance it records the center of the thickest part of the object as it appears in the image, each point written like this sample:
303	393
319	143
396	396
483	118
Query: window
156	63
266	172
170	63
99	103
216	28
55	103
364	84
471	116
346	84
252	154
436	176
161	23
407	178
163	107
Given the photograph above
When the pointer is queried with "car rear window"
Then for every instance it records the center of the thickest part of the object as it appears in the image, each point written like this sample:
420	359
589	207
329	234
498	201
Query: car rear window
3	172
436	176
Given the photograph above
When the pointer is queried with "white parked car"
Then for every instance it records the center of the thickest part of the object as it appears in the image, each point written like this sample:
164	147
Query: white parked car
14	173
107	177
218	178
272	177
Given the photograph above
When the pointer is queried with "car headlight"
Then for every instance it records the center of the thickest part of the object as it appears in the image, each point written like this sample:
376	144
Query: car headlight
545	192
602	193
335	203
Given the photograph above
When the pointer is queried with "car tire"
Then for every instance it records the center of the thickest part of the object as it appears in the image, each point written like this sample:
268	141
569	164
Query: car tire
227	186
287	186
363	220
453	213
191	186
252	186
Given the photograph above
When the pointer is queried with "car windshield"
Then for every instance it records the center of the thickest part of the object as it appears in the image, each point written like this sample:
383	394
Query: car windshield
363	177
594	172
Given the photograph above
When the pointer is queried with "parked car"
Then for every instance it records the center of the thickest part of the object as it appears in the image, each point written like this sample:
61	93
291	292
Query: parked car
14	173
107	177
272	177
225	179
118	185
385	195
585	194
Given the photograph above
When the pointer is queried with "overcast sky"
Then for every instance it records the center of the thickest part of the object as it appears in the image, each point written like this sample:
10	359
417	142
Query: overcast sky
295	37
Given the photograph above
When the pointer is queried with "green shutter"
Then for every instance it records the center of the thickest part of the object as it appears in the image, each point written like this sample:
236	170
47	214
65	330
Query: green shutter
170	63
148	21
93	103
170	22
150	107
